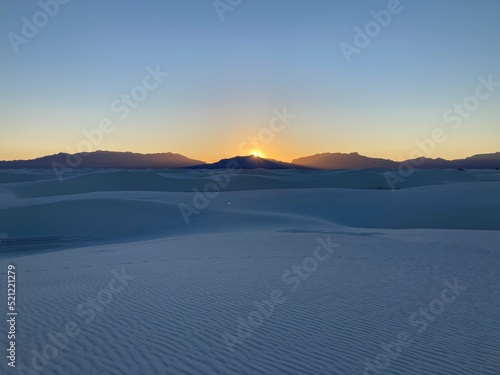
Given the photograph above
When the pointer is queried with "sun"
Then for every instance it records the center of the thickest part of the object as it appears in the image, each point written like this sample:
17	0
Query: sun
257	154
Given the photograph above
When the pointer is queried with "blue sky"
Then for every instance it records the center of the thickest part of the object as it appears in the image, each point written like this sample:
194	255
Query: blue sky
227	77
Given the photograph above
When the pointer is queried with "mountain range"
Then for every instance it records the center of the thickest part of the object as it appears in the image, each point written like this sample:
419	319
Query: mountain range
250	162
129	160
357	161
104	159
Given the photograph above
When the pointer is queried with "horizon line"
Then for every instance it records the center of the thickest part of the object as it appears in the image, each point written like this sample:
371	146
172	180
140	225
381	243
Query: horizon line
261	157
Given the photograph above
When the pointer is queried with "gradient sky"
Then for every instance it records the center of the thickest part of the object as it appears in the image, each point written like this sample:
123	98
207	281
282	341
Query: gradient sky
227	77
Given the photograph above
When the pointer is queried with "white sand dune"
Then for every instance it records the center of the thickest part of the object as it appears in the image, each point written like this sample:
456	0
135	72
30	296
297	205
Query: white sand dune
194	283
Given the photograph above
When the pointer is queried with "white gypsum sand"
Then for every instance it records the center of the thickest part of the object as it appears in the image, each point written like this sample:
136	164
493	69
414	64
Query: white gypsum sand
246	286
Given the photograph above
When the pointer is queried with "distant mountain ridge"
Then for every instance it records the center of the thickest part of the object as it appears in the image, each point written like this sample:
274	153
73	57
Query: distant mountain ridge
104	159
344	161
357	161
130	160
250	162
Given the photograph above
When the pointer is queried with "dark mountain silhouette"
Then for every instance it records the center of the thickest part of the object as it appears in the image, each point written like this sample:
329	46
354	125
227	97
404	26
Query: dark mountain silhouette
129	160
104	159
344	161
357	161
249	162
490	161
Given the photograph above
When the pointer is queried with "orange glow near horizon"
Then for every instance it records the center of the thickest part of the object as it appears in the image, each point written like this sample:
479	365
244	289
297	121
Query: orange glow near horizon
211	158
281	152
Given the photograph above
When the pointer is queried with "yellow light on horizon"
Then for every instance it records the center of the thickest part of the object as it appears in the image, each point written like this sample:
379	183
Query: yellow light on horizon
257	154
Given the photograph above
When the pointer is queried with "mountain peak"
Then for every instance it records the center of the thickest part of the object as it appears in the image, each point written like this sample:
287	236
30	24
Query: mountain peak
249	162
104	159
353	160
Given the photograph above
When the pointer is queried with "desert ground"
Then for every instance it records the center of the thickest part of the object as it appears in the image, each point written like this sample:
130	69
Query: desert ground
132	272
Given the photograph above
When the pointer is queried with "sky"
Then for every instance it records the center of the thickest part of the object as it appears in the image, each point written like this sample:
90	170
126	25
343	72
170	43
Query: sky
233	68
